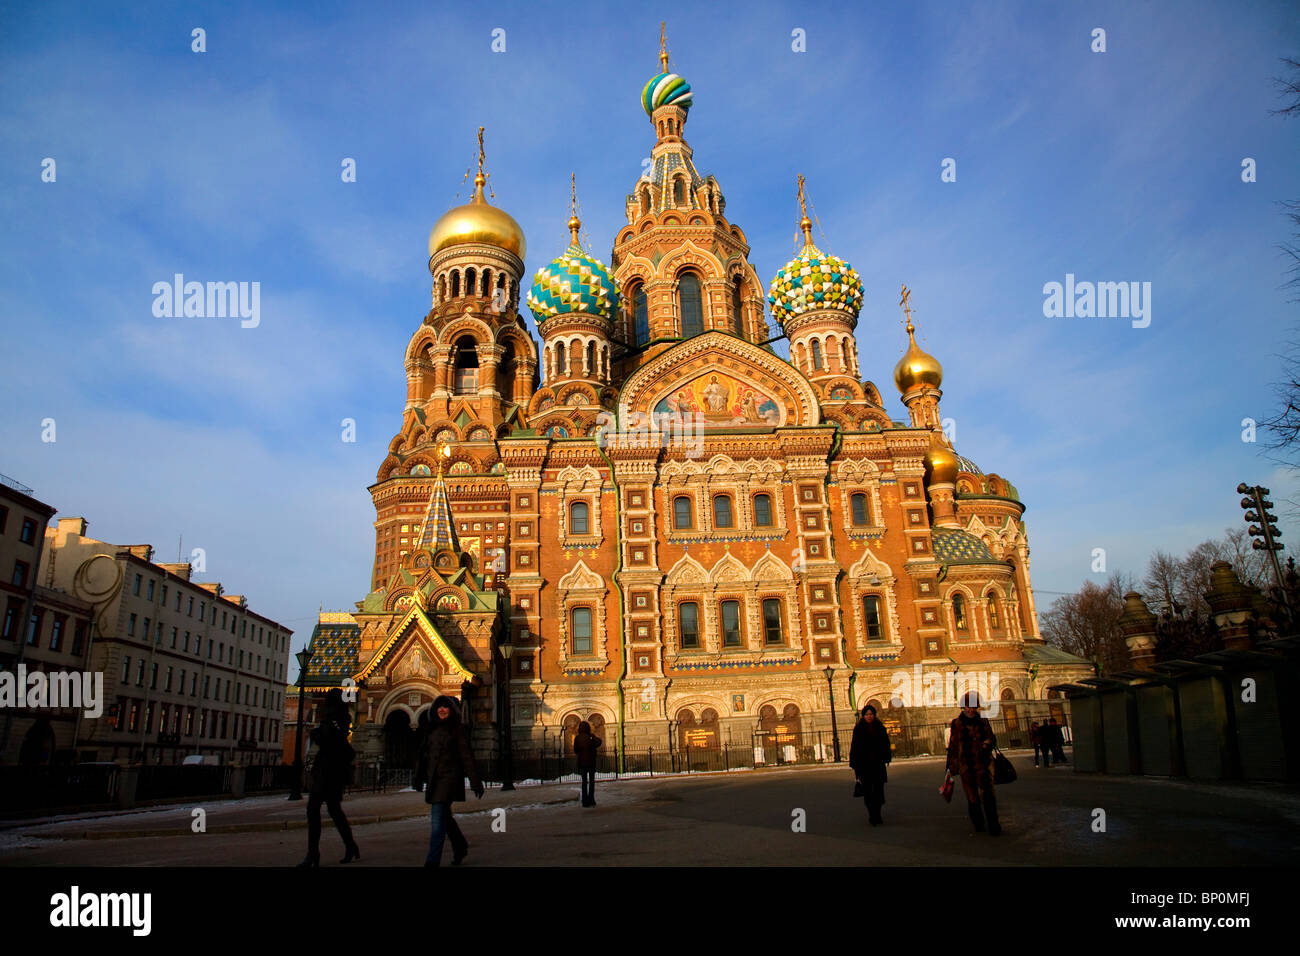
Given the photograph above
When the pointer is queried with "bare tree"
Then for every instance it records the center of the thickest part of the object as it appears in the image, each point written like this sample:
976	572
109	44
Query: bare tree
1087	623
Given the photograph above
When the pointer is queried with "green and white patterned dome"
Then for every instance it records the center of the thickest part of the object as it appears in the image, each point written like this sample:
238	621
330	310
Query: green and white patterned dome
811	281
574	282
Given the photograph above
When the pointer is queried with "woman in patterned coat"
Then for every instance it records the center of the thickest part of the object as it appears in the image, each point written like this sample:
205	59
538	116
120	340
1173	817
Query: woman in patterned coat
970	755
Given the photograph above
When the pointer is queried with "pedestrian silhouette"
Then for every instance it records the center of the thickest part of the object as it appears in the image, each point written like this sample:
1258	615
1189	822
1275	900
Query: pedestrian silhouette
331	771
585	745
970	754
449	761
869	755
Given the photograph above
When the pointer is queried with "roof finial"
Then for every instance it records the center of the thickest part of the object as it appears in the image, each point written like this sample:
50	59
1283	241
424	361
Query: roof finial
479	179
905	302
663	48
804	222
574	222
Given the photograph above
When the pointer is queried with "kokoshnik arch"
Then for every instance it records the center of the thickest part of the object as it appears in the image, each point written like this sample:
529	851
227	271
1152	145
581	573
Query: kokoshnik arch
670	590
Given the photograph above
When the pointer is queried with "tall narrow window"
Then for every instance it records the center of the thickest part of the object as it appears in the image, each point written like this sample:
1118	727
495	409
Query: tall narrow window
688	623
466	363
772	621
641	315
871	616
591	371
690	304
679	192
578	515
737	316
730	623
582	630
560	349
816	354
722	511
681	513
959	612
763	511
859	506
995	616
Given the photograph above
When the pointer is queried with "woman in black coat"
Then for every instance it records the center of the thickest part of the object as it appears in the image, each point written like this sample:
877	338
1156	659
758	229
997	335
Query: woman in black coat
869	754
449	761
585	745
331	771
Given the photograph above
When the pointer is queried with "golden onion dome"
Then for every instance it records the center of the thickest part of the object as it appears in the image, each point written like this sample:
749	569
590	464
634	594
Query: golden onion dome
916	367
477	222
941	462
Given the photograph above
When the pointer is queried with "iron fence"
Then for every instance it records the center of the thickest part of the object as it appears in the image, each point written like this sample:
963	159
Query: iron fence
25	790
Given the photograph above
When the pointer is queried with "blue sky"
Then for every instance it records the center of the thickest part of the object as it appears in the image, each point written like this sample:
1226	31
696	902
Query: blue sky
224	165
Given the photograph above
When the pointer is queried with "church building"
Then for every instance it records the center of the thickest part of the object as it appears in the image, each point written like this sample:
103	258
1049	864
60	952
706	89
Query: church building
652	521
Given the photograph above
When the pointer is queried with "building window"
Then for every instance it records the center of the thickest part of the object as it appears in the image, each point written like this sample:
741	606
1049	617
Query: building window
13	614
174	636
126	668
995	615
737	316
682	513
78	639
150	594
168	685
189	609
816	354
153	677
640	316
138	581
19	578
763	511
858	504
139	673
130	626
582	630
28	533
730	623
722	511
688	623
959	612
34	630
871	616
466	366
578	518
690	304
56	633
772	622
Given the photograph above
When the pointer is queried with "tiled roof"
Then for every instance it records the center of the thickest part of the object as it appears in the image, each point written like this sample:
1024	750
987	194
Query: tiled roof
953	546
335	646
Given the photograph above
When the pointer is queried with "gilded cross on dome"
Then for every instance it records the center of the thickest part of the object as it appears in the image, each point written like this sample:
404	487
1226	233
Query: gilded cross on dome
663	47
905	302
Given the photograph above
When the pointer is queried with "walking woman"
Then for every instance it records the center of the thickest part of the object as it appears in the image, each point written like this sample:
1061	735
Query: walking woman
330	772
450	761
869	754
970	754
585	745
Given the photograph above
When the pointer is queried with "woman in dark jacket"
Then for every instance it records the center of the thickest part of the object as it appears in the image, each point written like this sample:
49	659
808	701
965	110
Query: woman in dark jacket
970	754
585	746
869	754
331	771
449	761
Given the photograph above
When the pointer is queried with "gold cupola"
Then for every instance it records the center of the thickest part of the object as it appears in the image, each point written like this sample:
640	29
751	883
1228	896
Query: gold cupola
476	222
941	462
917	367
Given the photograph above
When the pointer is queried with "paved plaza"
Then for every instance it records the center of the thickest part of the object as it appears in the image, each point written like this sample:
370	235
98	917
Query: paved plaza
743	818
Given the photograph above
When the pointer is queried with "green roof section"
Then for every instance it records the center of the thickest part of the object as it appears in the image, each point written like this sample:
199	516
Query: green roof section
954	546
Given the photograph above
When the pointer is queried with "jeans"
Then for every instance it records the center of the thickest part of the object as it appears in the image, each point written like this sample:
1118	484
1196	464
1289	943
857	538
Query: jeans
588	787
333	800
443	826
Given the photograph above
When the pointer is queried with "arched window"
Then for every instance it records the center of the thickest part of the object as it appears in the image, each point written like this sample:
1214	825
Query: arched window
995	613
640	316
466	366
816	355
645	200
959	612
763	511
679	193
560	349
688	623
578	518
471	286
442	287
871	617
591	360
487	282
455	283
722	511
845	355
772	621
582	630
737	317
682	513
858	505
690	304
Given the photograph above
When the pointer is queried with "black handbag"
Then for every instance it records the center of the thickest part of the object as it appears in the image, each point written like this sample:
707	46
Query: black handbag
1003	771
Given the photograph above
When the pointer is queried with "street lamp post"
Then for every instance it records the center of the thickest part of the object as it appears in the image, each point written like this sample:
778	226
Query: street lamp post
304	657
507	718
835	730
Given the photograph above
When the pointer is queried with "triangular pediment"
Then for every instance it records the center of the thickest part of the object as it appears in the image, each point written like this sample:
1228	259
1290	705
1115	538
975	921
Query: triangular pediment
412	631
